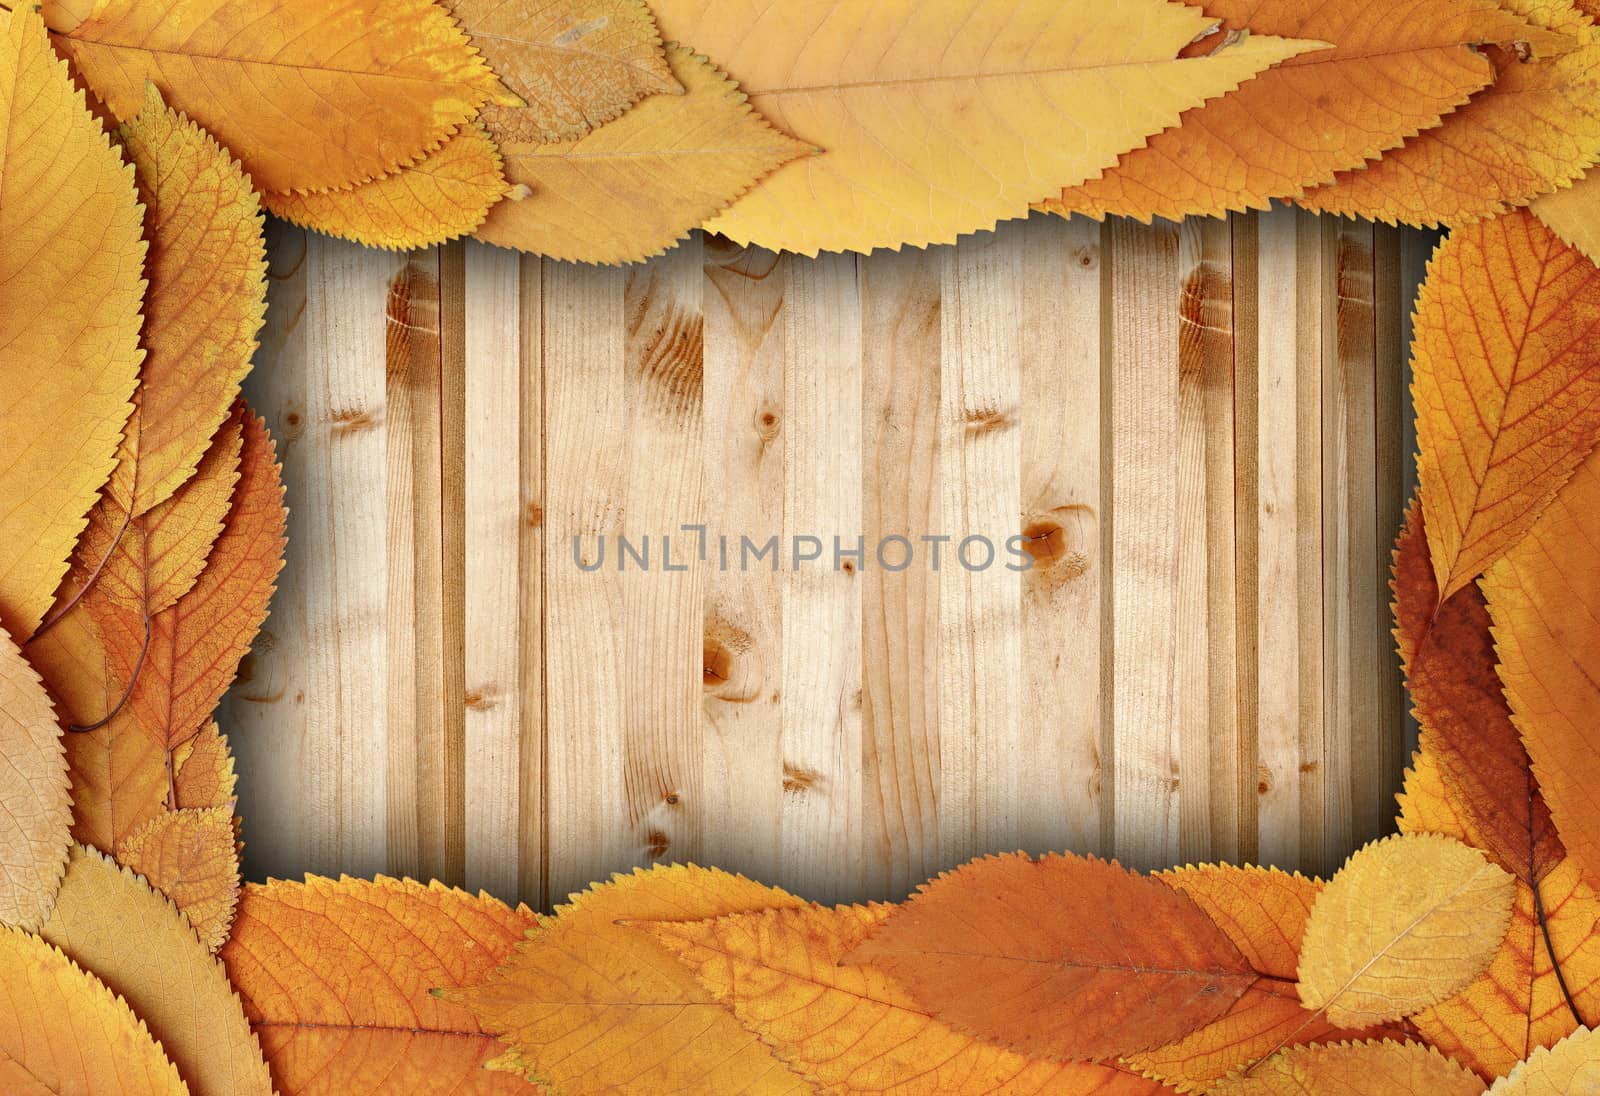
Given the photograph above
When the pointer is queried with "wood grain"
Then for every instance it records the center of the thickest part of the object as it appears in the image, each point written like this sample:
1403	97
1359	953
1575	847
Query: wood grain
1196	438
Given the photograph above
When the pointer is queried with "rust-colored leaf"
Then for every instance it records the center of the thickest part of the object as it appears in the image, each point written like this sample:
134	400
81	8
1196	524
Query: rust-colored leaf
336	978
1042	956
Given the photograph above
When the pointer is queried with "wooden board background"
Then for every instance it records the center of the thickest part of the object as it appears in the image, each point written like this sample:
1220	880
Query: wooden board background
1202	429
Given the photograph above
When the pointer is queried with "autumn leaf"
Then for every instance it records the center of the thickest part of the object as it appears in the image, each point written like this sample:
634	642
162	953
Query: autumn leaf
1405	923
206	300
110	922
588	1005
35	811
63	1031
1263	911
1507	384
1544	597
1355	1069
577	64
336	977
119	781
1044	957
1449	660
852	1029
943	118
444	195
69	317
1534	131
1574	214
192	857
635	187
1571	1066
1392	72
203	773
307	96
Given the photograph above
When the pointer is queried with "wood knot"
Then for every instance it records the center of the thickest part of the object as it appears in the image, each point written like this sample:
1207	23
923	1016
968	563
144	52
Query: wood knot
1087	257
767	425
534	515
797	779
656	844
1061	543
352	420
479	700
985	420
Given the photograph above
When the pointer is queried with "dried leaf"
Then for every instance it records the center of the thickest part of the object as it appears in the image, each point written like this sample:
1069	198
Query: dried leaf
1355	1069
1262	910
1467	733
1534	131
69	317
635	187
589	1005
942	118
119	781
109	921
1507	384
207	298
1405	923
1395	69
444	195
62	1030
203	770
35	811
577	64
852	1029
336	978
308	96
1574	214
1544	597
192	857
1042	956
1571	1066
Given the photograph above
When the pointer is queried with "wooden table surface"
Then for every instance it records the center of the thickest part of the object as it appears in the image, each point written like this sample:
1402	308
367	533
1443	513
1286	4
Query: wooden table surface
1202	430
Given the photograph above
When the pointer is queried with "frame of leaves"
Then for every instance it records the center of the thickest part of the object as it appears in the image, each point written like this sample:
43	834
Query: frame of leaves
143	513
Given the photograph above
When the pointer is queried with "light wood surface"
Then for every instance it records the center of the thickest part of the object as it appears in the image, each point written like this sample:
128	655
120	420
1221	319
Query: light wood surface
1199	430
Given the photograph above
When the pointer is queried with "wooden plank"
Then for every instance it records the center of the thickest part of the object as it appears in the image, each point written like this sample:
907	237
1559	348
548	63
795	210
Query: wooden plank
745	437
663	606
1254	781
1142	352
821	698
532	839
901	298
1062	518
1392	296
494	523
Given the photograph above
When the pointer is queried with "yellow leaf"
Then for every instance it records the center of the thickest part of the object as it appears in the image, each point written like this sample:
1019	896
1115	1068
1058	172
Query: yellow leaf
1397	67
1507	384
207	297
941	118
1535	130
1405	923
1570	1067
69	317
192	857
444	195
1355	1069
588	1005
336	977
635	187
63	1031
852	1029
1544	597
35	812
1574	214
109	921
577	64
308	96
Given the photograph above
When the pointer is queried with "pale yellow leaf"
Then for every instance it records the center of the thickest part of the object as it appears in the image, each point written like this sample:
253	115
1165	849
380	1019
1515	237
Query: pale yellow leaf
1574	214
35	811
1570	1068
1354	1069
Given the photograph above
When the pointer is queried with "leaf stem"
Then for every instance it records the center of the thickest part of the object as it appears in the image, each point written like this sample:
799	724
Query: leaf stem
133	679
71	603
1550	950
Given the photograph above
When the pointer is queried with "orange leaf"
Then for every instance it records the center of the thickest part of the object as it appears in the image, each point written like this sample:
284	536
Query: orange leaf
203	770
119	780
1262	910
336	979
308	96
1355	1069
1449	662
852	1028
1045	956
1534	131
1507	385
62	1030
110	921
591	1006
192	857
1395	69
69	317
35	811
207	269
1545	600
